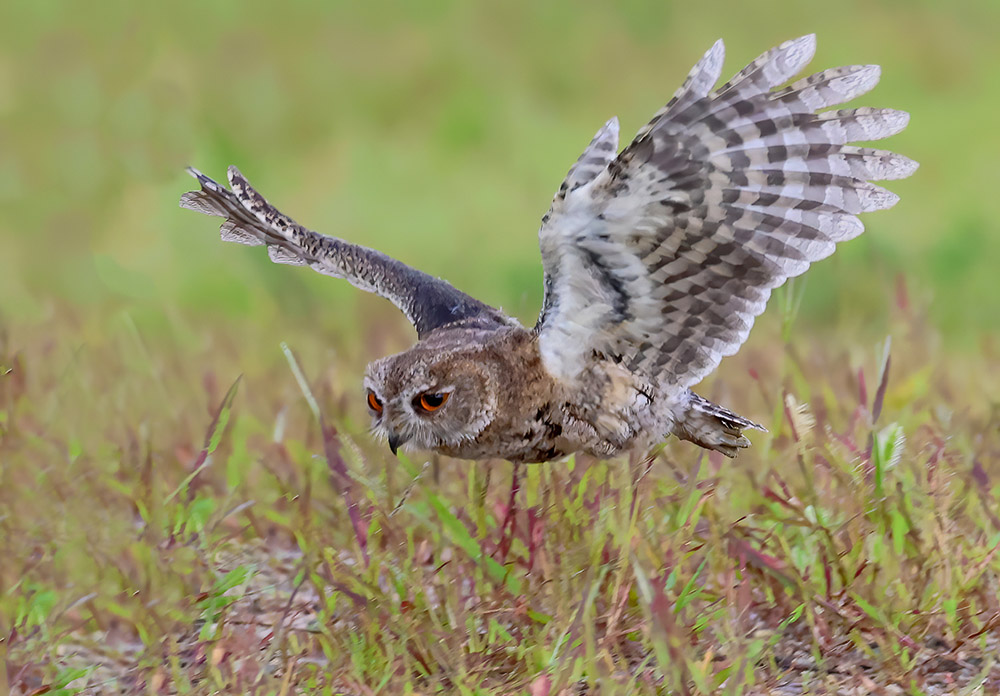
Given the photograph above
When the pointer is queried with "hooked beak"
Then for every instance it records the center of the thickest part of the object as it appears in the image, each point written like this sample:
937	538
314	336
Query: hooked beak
395	441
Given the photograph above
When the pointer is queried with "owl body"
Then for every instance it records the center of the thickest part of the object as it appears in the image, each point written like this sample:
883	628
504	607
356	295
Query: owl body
503	402
657	259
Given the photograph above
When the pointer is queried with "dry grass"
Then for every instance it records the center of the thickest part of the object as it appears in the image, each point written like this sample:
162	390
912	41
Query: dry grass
161	534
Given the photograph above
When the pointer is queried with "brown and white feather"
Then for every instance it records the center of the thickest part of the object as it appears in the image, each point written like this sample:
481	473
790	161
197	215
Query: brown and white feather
663	260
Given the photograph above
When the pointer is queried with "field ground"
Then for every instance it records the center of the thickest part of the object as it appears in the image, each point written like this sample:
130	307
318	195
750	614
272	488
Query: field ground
169	528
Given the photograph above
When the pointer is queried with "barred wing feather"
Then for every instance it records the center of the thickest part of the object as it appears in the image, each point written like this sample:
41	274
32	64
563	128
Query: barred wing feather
662	256
428	302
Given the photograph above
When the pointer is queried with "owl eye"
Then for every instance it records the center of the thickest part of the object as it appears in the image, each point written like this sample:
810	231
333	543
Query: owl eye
374	403
432	402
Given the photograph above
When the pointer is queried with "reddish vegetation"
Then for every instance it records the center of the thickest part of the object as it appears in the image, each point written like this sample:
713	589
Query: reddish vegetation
258	546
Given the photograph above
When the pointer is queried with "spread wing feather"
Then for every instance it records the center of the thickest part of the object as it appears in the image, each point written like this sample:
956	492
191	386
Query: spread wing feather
664	257
428	302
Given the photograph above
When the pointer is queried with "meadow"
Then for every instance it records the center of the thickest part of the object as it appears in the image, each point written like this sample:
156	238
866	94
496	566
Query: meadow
190	501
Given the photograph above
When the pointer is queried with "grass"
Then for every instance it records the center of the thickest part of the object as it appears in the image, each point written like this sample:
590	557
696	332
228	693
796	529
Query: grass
190	501
244	535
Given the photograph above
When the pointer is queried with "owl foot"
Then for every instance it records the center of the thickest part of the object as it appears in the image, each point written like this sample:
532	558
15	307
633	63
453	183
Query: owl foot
713	427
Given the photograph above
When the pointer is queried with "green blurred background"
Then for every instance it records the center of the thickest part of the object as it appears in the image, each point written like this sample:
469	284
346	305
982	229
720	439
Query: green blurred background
437	132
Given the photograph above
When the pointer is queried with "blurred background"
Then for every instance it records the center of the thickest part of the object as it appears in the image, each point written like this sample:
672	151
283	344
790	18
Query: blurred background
437	132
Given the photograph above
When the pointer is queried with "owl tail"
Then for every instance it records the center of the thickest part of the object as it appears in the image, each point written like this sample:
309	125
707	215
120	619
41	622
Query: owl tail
713	427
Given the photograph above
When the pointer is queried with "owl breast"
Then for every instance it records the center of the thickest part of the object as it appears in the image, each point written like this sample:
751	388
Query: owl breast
603	411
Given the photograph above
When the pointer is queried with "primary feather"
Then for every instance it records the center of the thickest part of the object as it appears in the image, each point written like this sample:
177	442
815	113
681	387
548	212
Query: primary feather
663	258
428	302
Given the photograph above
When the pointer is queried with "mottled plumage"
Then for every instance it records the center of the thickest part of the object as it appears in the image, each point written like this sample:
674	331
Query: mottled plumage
656	262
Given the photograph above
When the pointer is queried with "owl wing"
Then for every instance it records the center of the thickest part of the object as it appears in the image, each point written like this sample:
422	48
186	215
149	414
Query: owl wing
662	256
428	302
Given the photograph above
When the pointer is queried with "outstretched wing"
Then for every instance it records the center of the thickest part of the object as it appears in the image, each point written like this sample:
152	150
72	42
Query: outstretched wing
663	256
428	302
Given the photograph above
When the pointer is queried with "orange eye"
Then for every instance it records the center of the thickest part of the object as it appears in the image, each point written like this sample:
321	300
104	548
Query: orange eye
374	403
432	402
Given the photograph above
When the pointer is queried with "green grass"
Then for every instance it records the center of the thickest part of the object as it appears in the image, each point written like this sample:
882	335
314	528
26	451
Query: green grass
162	528
190	501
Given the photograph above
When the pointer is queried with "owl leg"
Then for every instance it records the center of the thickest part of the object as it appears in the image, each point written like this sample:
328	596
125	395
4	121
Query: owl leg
711	426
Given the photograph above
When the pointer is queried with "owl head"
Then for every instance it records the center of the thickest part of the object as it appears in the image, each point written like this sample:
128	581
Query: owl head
433	396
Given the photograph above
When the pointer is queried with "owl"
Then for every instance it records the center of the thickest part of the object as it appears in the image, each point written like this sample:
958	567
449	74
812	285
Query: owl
657	259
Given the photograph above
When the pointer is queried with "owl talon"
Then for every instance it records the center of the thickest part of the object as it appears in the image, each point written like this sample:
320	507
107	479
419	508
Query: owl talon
712	426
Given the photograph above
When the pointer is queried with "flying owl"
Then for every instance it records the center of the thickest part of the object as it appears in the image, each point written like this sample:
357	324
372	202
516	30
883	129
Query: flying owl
657	259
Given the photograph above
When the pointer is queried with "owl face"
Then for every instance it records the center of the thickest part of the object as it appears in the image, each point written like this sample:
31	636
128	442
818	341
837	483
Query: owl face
428	399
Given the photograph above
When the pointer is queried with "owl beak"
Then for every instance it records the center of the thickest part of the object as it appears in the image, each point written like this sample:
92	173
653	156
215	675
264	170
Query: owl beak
395	441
